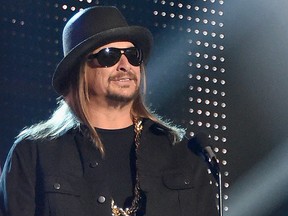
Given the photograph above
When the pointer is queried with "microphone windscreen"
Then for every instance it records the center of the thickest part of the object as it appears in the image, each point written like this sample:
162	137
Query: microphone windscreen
198	143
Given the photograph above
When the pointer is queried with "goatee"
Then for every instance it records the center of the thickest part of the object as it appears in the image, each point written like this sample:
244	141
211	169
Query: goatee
122	98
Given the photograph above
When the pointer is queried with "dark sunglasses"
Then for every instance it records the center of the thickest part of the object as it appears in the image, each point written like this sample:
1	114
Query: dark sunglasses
108	57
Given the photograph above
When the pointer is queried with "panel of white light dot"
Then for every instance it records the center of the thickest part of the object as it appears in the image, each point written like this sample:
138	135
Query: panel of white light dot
200	22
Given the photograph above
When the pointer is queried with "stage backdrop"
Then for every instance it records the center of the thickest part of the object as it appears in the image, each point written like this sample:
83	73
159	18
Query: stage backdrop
218	67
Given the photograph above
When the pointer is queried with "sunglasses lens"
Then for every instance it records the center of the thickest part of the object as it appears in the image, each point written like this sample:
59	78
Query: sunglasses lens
134	56
110	56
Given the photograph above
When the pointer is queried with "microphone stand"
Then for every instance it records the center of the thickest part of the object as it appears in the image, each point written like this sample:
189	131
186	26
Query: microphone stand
215	169
220	201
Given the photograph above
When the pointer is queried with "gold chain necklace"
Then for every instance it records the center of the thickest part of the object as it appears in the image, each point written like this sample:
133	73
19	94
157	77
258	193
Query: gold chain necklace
117	211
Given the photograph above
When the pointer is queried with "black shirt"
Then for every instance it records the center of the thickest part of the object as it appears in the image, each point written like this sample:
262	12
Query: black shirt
119	161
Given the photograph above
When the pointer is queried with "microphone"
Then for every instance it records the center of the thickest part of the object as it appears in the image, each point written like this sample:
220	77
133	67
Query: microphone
200	145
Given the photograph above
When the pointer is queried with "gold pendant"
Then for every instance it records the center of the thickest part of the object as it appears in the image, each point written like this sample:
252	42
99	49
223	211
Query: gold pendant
116	211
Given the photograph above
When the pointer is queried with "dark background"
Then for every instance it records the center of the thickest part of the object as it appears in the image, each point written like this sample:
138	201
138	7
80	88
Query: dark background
249	123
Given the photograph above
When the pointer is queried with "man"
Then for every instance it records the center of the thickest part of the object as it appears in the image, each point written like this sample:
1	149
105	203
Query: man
103	152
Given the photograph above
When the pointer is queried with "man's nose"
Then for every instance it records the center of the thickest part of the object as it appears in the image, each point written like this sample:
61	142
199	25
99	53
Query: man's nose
123	64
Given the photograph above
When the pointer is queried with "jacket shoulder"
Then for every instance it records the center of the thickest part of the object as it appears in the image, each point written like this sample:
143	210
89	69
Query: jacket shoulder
155	128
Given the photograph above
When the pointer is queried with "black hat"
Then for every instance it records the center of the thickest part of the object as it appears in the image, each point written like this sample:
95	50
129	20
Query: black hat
92	28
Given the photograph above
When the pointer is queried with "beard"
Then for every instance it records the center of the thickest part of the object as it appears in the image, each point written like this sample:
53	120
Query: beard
117	97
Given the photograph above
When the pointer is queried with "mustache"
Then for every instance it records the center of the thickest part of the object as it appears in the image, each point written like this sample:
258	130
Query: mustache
121	75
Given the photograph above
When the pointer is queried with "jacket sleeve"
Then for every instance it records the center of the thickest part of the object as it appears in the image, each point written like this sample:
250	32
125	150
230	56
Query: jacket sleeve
17	182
